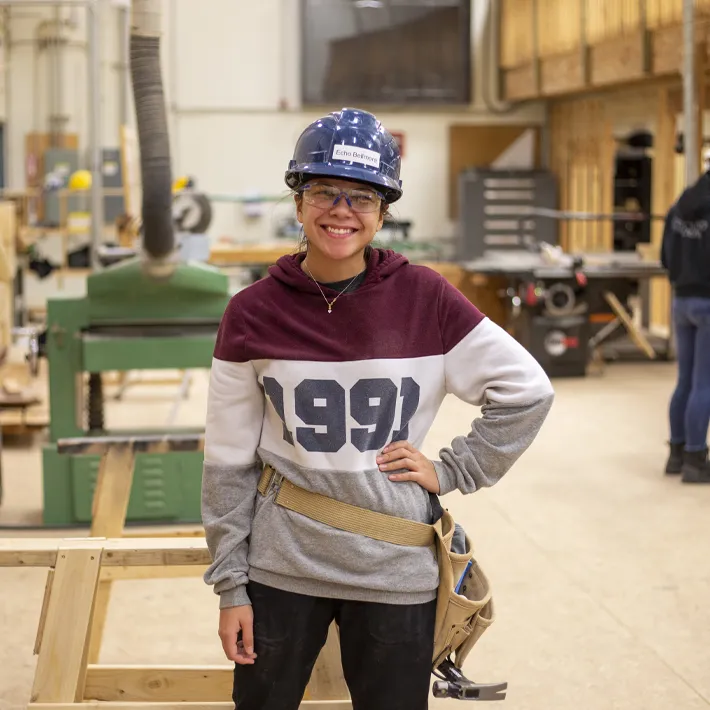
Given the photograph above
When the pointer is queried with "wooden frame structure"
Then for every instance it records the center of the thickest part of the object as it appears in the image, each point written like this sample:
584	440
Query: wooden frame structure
64	680
554	48
80	574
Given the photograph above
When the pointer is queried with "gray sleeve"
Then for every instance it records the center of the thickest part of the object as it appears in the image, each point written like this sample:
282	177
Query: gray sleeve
490	369
230	475
228	495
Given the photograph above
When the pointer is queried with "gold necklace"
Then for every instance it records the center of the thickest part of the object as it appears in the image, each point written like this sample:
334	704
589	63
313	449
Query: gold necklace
329	303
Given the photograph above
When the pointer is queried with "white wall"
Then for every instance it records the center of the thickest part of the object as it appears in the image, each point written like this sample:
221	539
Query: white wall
231	73
32	92
236	112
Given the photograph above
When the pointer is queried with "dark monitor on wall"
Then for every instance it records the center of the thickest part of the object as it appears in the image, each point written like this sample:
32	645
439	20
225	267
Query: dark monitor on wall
389	52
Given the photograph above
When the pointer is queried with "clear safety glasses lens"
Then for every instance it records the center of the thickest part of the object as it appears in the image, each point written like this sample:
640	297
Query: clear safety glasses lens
325	196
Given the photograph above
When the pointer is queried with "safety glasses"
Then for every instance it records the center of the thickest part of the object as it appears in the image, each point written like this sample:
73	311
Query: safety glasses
359	199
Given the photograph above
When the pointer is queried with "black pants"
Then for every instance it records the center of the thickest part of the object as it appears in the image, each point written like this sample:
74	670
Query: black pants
386	651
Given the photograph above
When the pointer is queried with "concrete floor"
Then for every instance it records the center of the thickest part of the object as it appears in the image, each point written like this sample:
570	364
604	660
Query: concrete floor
600	564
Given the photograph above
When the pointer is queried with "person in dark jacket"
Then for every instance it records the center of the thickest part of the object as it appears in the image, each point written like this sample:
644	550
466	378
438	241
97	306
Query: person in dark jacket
685	254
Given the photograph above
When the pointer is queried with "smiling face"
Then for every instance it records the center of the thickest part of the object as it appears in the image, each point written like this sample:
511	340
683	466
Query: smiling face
338	232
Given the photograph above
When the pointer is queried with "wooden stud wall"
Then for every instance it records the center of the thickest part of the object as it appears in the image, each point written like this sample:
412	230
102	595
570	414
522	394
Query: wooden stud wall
583	148
665	190
583	161
669	12
559	24
611	18
516	29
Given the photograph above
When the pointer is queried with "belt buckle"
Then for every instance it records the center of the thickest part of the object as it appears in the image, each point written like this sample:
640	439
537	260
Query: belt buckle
276	481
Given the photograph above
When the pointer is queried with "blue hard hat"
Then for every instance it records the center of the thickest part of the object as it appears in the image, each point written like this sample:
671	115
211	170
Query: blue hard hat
352	145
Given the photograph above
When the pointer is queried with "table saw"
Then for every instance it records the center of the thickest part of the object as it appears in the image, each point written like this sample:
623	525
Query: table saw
564	308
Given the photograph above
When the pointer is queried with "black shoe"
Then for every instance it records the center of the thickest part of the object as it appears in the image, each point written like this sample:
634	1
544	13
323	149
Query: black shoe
675	460
696	468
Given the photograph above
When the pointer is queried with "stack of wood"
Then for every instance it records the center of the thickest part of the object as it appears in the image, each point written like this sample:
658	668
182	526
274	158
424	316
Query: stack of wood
8	267
21	405
23	401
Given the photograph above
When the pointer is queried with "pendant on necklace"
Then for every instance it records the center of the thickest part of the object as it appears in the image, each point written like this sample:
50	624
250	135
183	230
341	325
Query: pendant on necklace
330	309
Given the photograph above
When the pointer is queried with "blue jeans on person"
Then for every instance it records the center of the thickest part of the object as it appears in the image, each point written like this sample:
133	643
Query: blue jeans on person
690	404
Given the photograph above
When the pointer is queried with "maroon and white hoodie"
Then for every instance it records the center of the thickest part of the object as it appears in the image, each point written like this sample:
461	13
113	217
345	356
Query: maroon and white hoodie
318	395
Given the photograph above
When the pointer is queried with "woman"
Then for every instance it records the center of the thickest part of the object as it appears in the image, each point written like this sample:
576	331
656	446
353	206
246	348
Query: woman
685	253
331	371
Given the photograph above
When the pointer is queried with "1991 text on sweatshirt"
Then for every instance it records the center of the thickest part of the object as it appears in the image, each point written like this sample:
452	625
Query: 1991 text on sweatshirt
317	396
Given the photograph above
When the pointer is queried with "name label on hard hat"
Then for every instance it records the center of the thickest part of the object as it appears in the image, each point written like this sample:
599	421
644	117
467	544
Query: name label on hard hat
356	155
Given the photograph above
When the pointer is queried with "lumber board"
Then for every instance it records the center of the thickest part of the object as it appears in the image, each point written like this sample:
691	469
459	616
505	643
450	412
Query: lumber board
131	683
159	551
114	574
43	612
562	74
113	488
42	552
636	335
171	532
157	444
98	705
516	32
108	516
327	680
62	655
519	82
617	60
667	50
28	552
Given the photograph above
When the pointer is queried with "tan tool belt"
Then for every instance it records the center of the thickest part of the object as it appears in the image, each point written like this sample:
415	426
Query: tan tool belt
461	618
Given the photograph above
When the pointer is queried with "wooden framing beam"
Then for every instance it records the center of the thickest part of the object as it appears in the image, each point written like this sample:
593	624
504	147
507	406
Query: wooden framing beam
561	74
159	444
64	678
667	50
618	60
174	684
63	644
519	83
188	684
117	552
98	705
641	57
114	574
81	572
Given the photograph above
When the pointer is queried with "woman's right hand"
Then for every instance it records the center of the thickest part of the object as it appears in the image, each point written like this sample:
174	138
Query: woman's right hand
231	622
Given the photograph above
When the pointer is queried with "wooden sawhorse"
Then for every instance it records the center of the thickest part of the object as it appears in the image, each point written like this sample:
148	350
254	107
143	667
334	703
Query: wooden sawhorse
110	504
64	680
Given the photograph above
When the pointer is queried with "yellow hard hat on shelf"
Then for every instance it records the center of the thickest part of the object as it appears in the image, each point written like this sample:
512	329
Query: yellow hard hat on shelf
182	183
80	180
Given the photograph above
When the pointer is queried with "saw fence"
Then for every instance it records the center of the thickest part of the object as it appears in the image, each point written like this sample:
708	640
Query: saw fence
80	574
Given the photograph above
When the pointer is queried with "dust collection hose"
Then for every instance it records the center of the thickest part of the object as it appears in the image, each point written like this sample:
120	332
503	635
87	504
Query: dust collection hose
152	127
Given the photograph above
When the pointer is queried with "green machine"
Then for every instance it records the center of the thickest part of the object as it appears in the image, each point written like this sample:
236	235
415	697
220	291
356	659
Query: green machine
151	312
128	320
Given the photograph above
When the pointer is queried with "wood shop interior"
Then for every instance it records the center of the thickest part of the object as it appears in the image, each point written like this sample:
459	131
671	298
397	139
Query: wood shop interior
543	143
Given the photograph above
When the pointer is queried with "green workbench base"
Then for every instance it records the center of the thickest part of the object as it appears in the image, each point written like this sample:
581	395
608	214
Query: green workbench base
166	488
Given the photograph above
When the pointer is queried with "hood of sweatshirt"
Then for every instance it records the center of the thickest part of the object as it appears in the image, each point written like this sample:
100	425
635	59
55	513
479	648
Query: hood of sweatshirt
381	264
695	200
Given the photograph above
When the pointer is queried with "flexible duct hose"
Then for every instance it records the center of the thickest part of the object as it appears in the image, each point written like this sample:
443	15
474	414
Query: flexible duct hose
152	125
